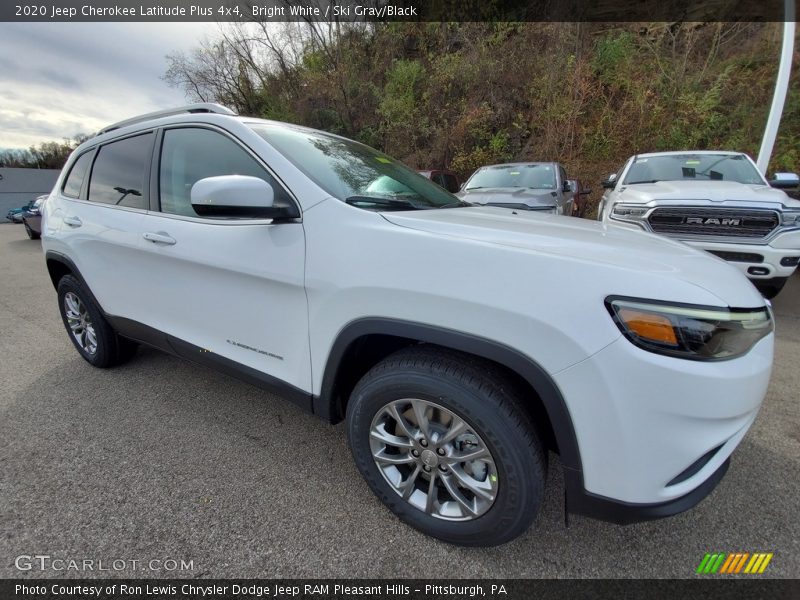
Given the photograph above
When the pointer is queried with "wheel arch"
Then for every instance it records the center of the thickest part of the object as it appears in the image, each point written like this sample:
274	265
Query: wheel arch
59	265
364	342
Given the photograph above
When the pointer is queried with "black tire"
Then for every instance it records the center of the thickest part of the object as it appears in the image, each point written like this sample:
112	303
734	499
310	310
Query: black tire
31	233
110	349
479	394
771	287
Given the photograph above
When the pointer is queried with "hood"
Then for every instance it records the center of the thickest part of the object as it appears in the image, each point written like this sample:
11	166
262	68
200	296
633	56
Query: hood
708	191
537	199
587	241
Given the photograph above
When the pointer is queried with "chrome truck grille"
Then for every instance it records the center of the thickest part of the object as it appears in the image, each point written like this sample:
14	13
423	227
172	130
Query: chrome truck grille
720	222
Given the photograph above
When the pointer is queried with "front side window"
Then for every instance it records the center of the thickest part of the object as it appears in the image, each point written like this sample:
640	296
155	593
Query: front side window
74	182
450	183
353	172
529	176
191	153
693	167
119	174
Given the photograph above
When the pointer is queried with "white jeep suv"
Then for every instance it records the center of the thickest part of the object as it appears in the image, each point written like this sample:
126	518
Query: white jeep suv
717	201
460	343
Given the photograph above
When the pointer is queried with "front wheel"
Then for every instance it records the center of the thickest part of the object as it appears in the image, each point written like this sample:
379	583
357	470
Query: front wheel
444	441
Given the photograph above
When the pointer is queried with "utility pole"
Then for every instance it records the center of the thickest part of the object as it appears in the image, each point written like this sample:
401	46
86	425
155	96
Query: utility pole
781	87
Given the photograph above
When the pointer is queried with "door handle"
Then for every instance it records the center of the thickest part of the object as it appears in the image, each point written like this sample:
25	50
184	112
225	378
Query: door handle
159	238
73	221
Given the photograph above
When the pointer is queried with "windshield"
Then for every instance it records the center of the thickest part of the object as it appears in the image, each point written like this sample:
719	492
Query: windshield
689	167
353	172
532	176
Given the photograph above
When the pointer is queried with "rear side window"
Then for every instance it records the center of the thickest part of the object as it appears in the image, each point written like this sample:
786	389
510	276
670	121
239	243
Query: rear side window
74	182
119	175
190	154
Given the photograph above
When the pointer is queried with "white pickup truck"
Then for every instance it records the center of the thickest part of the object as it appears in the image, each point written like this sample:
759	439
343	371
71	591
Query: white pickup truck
717	201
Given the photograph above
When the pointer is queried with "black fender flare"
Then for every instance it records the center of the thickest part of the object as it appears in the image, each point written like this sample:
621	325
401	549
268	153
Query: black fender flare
525	367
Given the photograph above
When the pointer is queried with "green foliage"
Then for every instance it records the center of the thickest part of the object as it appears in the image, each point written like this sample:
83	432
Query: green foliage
461	95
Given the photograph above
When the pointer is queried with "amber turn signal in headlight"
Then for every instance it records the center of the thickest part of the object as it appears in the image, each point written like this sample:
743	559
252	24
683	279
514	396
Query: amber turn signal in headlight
687	330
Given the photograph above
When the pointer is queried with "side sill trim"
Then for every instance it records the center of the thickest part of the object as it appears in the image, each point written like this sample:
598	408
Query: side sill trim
157	339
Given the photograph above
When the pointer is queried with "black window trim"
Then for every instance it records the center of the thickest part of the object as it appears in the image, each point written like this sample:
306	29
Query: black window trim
155	179
148	168
84	183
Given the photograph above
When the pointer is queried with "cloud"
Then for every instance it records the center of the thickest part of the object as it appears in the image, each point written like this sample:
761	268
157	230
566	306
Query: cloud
61	79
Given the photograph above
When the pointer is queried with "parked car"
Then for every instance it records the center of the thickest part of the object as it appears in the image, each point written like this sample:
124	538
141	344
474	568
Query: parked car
579	197
32	218
460	343
537	186
15	214
447	179
717	201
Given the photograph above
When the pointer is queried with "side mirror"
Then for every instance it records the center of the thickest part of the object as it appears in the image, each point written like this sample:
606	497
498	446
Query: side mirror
785	181
238	196
571	186
609	182
566	187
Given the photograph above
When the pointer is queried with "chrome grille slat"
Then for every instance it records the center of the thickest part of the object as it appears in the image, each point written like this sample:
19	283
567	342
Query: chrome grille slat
734	222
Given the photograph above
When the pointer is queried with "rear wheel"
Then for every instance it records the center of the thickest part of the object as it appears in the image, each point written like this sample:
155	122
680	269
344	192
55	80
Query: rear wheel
443	441
90	333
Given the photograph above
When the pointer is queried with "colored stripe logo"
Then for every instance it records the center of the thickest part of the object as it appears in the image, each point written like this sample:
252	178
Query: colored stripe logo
734	562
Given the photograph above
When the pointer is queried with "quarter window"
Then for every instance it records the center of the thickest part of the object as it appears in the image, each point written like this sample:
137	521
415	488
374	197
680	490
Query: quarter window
119	175
74	182
191	154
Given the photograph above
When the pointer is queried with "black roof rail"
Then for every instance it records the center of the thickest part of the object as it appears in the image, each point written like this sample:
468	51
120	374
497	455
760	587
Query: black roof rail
201	107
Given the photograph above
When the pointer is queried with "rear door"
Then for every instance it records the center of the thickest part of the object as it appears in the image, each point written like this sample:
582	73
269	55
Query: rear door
231	288
102	203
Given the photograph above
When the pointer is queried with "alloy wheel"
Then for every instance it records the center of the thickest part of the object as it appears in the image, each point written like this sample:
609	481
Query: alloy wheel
79	322
433	459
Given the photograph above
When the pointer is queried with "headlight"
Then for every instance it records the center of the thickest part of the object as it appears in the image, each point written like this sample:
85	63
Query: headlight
790	217
624	212
690	331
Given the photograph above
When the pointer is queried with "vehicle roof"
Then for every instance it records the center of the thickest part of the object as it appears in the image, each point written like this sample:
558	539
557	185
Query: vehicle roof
680	152
519	164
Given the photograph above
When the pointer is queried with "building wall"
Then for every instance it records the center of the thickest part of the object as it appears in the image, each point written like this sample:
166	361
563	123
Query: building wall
19	186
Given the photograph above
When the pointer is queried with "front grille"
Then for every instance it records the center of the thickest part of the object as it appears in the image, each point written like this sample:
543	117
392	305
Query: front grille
721	222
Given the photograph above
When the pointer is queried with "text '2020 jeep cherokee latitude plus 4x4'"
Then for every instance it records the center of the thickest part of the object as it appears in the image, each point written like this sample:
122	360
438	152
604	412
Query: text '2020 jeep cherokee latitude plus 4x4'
717	201
460	343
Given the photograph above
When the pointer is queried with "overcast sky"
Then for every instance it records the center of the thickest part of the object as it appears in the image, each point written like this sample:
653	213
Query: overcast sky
59	79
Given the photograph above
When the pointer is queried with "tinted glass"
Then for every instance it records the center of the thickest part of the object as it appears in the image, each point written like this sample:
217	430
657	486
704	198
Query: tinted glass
531	176
353	172
191	154
450	183
693	167
119	174
74	181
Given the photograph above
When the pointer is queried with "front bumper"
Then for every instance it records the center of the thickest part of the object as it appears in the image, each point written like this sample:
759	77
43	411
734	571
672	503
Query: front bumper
654	430
780	246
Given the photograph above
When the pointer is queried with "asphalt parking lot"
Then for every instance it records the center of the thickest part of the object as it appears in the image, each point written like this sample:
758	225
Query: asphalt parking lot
160	459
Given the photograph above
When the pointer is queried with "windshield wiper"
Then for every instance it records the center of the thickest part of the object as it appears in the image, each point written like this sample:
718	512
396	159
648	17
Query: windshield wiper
456	204
396	203
644	181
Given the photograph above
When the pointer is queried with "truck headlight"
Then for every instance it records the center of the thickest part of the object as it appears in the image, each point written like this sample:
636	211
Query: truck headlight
623	212
690	331
790	217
